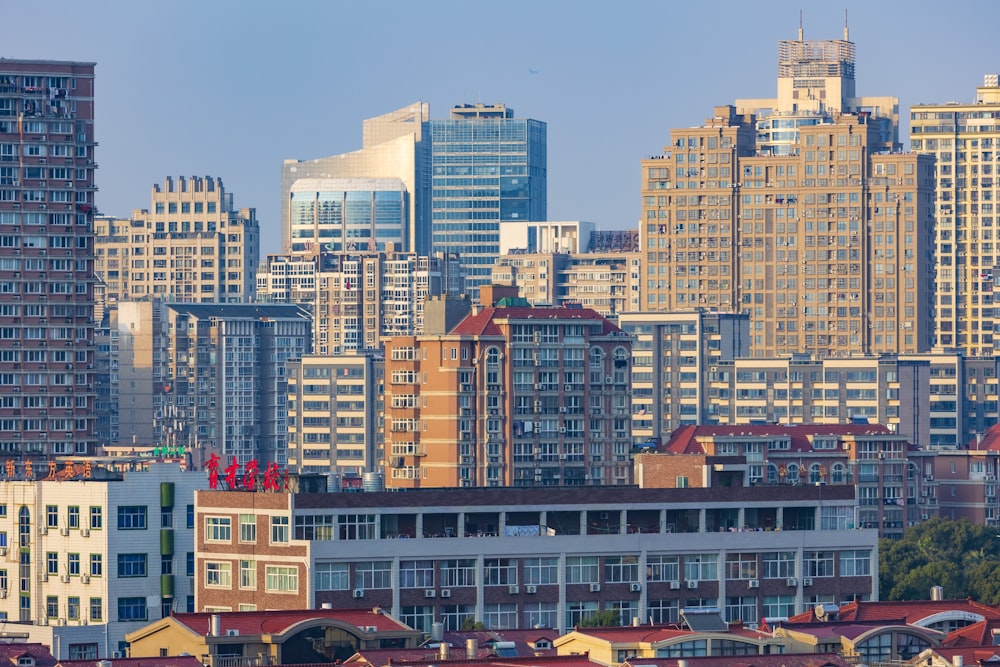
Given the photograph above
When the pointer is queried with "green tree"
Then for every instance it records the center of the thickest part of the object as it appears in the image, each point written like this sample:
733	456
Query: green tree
961	557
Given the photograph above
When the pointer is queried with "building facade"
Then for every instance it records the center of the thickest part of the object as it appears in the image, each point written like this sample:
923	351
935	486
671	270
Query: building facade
488	168
47	188
671	353
511	396
394	146
893	481
222	385
529	558
335	408
92	546
828	248
359	298
965	142
191	245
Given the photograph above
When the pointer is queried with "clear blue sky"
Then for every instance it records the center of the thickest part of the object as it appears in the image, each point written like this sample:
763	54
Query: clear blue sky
232	88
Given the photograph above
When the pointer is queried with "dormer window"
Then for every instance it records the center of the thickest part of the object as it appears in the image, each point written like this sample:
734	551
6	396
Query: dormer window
543	644
25	661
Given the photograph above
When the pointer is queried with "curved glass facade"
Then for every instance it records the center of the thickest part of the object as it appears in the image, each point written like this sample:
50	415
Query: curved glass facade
348	214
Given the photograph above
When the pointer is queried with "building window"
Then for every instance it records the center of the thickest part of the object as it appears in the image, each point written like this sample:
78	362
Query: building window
218	529
279	530
129	609
662	568
190	516
778	565
96	518
52	516
371	575
499	572
501	616
96	565
248	528
132	517
96	609
856	563
74	565
539	571
582	570
52	606
52	562
281	579
73	517
457	573
83	651
334	577
416	574
817	563
73	608
218	575
131	565
621	569
248	574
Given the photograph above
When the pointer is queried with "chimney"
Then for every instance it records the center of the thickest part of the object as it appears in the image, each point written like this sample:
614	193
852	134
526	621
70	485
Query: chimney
471	648
215	626
445	649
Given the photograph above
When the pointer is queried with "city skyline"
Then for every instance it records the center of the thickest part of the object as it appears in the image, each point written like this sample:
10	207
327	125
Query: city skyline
192	95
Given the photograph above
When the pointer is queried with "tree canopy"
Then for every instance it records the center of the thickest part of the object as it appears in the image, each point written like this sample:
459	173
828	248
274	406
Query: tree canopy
961	557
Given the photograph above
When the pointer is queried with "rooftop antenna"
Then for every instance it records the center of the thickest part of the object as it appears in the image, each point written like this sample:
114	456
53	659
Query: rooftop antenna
846	35
800	25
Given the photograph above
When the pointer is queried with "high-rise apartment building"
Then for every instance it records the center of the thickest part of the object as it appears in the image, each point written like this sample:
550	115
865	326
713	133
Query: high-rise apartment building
965	140
46	258
359	298
489	167
671	353
828	248
191	245
218	378
510	396
816	83
335	407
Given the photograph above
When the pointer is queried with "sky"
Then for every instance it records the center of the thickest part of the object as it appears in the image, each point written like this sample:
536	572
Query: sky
231	88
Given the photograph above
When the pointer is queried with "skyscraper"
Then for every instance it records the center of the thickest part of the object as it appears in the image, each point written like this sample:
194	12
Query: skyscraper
47	397
488	168
965	139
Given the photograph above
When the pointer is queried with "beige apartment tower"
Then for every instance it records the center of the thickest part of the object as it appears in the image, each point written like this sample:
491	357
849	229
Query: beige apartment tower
190	246
828	248
965	140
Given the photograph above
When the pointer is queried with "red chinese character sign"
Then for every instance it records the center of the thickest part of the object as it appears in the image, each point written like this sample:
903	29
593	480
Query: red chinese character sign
273	479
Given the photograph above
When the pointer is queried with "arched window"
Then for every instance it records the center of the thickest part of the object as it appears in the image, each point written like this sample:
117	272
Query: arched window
814	473
492	356
793	473
838	474
621	366
772	473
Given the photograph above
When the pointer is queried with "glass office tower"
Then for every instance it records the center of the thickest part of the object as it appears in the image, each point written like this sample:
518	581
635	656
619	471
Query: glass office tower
347	214
488	168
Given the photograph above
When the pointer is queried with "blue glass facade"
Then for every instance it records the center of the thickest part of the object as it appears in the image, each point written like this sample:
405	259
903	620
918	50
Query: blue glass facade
486	170
341	215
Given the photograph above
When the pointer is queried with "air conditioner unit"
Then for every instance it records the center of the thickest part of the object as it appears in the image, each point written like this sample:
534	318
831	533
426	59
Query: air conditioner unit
446	592
232	632
43	530
693	583
562	409
635	588
567	387
117	654
62	621
64	531
527	589
513	590
85	532
753	583
595	588
807	582
562	429
358	593
3	593
64	578
609	380
675	585
430	593
3	551
791	582
85	578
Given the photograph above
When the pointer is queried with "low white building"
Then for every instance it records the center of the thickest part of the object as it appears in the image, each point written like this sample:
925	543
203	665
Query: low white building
89	553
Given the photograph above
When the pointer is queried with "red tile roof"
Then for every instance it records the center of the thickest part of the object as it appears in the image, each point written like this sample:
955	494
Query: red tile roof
169	661
483	323
989	442
278	622
776	660
38	652
685	439
910	611
629	634
421	657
